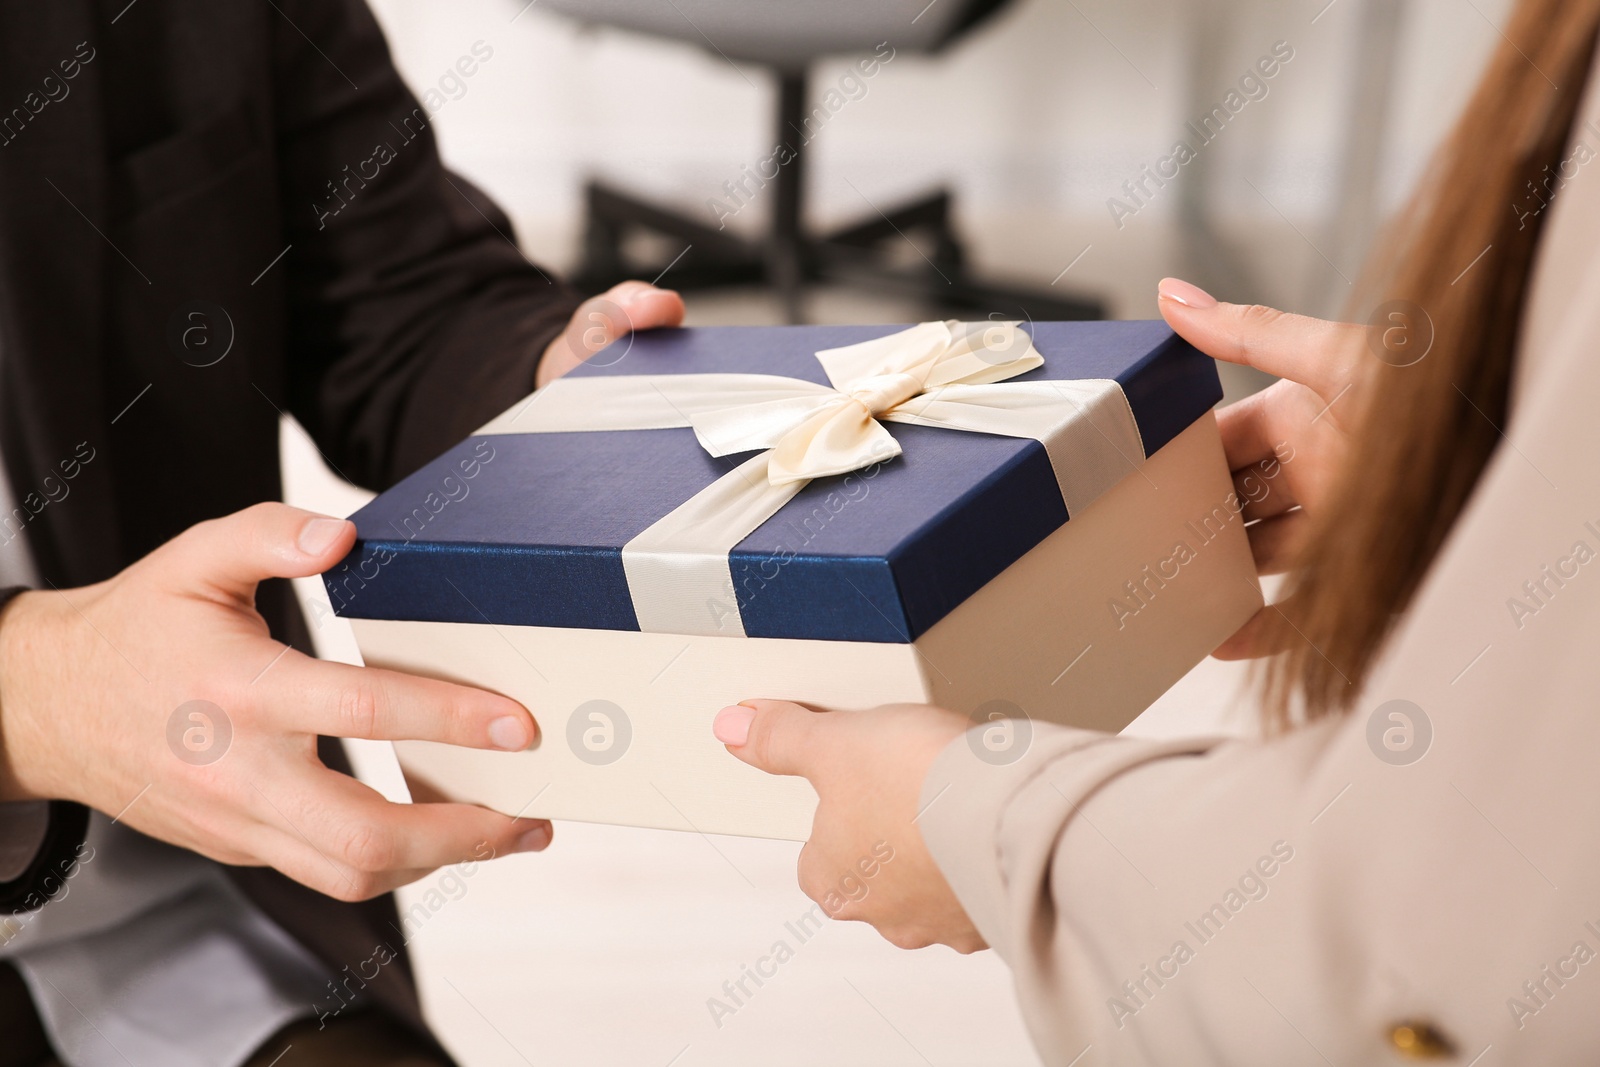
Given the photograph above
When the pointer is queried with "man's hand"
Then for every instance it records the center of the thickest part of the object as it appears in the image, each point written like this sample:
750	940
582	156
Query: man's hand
96	705
604	318
867	768
1298	427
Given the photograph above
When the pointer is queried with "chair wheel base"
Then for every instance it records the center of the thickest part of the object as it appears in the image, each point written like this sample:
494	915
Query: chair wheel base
862	255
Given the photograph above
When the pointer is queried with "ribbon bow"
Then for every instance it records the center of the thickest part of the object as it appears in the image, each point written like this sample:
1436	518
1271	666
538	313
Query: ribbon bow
822	431
947	374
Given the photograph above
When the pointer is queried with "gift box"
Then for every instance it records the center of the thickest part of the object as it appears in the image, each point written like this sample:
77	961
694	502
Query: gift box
1018	522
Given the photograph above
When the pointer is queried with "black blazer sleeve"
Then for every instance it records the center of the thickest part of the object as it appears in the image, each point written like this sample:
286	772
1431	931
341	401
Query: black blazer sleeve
55	846
413	317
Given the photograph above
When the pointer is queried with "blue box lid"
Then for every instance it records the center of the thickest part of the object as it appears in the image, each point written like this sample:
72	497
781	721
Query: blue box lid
528	529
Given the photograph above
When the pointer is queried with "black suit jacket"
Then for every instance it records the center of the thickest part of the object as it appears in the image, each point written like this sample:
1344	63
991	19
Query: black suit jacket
174	156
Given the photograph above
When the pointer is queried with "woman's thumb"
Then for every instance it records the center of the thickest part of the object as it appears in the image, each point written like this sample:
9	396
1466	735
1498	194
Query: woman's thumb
775	736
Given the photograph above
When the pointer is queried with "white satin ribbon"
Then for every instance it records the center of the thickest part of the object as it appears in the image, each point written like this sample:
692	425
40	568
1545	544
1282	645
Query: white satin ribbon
949	374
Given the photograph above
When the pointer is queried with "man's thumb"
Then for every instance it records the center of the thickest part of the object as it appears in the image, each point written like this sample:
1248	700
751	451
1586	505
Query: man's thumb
775	736
647	307
232	554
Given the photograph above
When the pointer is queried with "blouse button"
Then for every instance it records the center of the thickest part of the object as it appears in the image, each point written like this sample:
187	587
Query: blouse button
1418	1039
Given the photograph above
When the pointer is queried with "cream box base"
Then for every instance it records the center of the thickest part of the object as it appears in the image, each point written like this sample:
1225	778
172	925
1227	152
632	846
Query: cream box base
1086	629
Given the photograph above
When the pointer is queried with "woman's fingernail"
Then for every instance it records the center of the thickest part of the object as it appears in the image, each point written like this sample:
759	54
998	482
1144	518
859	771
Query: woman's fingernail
732	725
535	840
509	733
1190	296
318	535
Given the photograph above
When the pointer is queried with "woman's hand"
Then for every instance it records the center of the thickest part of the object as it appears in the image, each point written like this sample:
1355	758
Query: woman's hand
159	698
1287	443
602	319
866	859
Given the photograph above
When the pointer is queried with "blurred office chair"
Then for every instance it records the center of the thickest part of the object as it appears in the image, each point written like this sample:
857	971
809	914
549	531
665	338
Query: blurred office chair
787	37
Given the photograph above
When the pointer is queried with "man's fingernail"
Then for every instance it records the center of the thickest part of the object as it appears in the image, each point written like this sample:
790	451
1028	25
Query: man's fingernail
535	840
732	725
510	733
318	535
1181	292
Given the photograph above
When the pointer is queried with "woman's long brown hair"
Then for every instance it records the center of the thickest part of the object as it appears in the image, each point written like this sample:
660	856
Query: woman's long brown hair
1425	431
